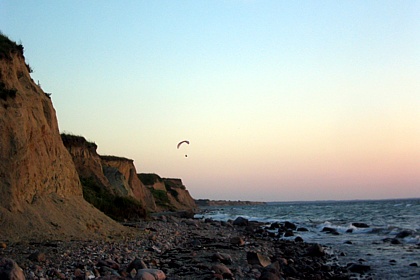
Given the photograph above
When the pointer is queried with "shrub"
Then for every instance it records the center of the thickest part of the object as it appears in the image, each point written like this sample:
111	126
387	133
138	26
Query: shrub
8	47
149	179
118	208
161	197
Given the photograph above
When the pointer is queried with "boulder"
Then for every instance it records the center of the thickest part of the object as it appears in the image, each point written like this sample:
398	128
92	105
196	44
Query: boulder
237	240
315	250
330	230
403	234
150	274
258	259
240	221
9	270
222	270
290	225
360	225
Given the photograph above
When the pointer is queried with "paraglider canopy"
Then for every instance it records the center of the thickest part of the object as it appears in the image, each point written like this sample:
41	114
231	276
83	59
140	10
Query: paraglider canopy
182	142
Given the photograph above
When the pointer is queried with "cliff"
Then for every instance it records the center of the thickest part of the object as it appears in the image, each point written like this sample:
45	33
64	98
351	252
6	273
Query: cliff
40	190
107	178
87	161
122	174
169	194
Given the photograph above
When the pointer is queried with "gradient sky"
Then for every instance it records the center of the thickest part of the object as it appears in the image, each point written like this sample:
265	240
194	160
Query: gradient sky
281	100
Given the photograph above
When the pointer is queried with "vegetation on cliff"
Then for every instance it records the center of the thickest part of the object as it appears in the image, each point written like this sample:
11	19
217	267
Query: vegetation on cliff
75	140
119	208
8	47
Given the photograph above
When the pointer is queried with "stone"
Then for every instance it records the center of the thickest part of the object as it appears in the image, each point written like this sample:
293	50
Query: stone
403	234
315	250
9	270
330	230
150	274
222	270
258	259
240	221
37	257
298	239
358	268
290	225
288	233
136	264
237	240
271	272
222	257
360	225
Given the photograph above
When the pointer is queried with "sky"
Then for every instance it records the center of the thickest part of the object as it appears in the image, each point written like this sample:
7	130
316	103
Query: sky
280	100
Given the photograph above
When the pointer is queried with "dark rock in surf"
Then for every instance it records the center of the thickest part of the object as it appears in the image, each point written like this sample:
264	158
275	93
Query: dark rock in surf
290	225
288	233
358	268
404	234
298	239
395	241
360	225
330	230
240	221
302	229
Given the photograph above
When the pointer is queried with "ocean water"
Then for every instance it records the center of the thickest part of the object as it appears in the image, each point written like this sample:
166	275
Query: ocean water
370	246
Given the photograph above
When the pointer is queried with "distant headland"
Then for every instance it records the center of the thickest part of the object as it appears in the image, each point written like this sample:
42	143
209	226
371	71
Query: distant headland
208	202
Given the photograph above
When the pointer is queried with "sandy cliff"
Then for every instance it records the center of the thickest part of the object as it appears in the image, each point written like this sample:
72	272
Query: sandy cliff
170	194
40	191
126	178
87	161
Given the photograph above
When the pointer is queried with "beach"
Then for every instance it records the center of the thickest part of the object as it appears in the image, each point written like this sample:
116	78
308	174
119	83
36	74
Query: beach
171	247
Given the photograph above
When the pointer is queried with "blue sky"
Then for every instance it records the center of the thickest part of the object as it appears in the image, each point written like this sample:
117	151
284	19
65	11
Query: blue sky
281	100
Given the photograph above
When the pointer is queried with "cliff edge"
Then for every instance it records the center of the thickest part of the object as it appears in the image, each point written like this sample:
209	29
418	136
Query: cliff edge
40	190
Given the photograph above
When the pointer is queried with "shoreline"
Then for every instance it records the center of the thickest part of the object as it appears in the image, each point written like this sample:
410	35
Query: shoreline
179	248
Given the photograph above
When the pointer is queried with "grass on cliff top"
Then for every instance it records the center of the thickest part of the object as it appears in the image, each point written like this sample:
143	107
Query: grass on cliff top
149	179
8	47
76	140
118	208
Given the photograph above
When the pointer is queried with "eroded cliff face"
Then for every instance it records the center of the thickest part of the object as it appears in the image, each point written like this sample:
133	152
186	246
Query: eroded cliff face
179	195
121	173
87	161
170	194
33	159
40	191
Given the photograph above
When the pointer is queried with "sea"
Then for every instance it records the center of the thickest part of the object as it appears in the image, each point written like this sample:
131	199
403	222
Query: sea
376	245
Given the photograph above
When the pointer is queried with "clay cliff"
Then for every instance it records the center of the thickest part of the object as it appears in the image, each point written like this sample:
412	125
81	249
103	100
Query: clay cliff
126	178
169	194
41	194
107	177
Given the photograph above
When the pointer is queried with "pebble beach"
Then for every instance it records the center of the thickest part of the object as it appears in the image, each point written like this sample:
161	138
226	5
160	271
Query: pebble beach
172	247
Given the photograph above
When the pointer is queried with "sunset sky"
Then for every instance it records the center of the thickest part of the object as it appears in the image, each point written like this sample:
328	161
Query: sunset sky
280	100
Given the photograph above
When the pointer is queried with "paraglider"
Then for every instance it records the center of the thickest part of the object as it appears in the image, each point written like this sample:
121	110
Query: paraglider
183	142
